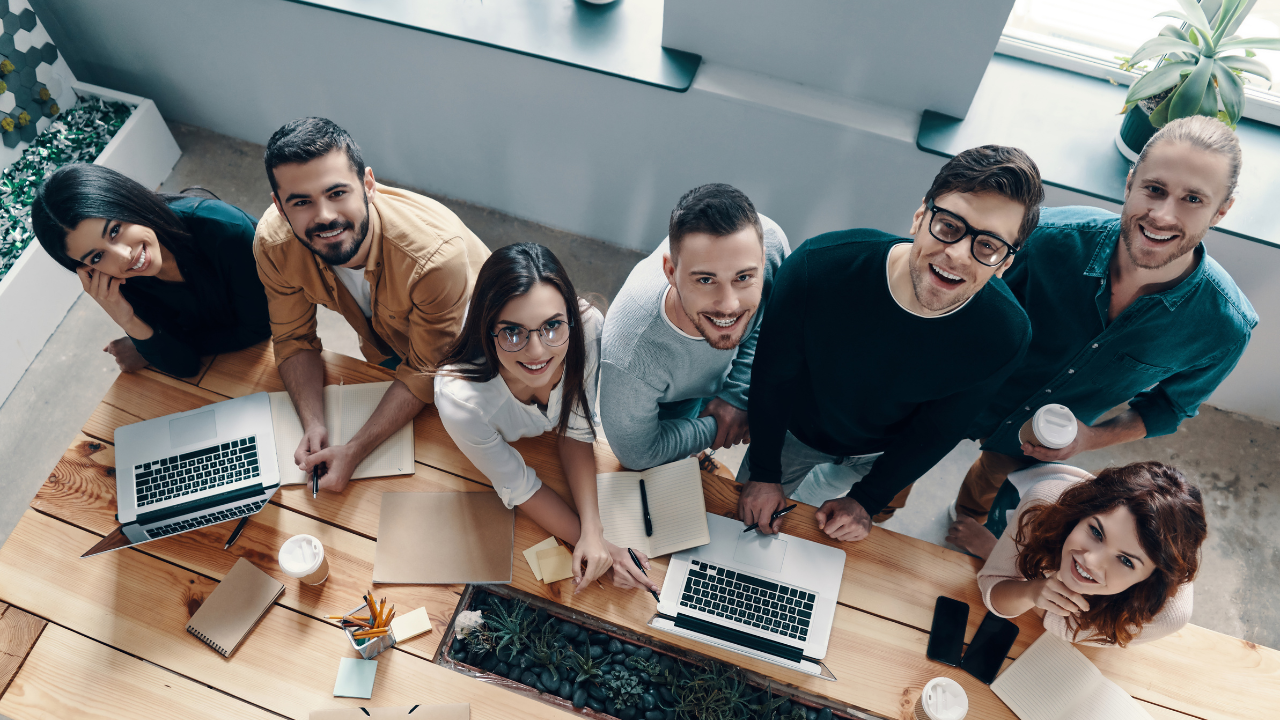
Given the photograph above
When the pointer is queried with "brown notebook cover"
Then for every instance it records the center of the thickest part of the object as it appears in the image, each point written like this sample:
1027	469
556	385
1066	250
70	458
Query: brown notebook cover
460	711
234	607
444	538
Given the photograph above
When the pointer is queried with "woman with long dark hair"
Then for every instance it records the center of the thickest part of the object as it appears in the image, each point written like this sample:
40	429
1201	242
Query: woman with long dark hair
176	273
1108	560
527	362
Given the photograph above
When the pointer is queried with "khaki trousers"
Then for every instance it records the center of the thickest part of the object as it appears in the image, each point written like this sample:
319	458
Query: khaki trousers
983	481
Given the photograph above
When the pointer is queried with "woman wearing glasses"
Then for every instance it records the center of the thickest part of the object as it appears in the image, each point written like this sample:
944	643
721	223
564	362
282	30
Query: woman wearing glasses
527	363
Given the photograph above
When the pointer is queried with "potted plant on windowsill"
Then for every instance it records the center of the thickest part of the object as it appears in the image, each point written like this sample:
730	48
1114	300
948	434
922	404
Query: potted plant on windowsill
1201	73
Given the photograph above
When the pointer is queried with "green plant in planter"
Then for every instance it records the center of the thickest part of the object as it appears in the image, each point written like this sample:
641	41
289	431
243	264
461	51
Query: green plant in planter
510	628
1200	67
587	668
545	651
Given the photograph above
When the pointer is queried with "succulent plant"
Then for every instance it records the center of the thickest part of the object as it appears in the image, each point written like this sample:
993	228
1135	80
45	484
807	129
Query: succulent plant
6	67
6	124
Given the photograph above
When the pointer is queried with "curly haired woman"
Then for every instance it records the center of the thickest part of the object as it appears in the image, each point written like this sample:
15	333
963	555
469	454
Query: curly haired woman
1107	560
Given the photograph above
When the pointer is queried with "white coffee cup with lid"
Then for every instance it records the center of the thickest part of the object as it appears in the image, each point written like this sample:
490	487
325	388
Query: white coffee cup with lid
1053	426
942	699
302	557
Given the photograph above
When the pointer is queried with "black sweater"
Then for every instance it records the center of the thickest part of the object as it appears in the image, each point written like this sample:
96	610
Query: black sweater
230	315
850	372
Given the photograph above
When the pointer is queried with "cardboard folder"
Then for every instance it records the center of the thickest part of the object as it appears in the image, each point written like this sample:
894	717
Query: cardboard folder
444	538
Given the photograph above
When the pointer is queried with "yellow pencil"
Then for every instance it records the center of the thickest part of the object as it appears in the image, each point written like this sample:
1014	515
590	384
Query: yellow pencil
370	633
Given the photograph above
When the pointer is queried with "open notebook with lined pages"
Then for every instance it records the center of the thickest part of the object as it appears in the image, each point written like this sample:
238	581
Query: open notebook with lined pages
346	409
676	507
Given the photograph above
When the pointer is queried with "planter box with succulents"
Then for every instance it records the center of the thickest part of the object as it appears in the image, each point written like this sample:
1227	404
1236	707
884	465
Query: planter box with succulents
120	131
583	664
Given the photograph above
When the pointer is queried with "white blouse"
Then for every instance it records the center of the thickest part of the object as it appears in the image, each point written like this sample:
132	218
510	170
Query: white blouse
483	418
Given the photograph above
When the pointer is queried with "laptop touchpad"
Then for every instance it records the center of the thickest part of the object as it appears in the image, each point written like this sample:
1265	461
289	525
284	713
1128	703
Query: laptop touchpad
192	429
762	551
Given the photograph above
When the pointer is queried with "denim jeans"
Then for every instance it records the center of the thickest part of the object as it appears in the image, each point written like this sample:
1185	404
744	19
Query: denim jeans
811	476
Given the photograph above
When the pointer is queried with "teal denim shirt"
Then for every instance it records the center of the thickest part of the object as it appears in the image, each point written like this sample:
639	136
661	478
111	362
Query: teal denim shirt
1165	354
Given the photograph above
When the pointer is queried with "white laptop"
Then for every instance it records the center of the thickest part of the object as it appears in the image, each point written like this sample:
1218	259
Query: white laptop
192	469
772	597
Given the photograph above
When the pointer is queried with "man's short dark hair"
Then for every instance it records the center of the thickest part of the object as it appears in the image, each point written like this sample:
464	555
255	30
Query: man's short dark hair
715	209
998	169
304	140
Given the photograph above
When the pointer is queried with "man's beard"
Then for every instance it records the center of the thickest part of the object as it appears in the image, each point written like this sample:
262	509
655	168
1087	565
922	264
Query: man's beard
1185	245
340	255
919	284
714	336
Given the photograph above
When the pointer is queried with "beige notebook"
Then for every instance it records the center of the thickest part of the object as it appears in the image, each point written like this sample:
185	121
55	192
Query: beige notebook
676	507
1052	680
460	711
443	538
234	607
346	409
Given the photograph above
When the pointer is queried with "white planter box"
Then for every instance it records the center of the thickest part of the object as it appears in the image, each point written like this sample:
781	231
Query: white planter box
37	292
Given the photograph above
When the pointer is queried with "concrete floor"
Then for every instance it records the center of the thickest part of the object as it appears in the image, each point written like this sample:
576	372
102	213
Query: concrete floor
1231	458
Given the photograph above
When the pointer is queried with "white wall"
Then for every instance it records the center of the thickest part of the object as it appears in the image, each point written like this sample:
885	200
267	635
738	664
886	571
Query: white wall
910	54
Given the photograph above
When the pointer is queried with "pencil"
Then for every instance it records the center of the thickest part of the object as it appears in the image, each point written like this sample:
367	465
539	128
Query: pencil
370	633
348	617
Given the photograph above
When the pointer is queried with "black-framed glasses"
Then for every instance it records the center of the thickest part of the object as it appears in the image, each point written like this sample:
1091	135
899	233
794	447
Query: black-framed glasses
513	338
948	227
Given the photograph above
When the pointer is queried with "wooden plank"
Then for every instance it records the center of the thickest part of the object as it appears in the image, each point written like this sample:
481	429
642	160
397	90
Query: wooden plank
81	491
18	633
140	605
70	676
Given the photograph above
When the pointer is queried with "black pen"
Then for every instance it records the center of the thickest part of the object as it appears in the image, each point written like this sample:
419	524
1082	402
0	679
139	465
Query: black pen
644	504
775	516
315	481
235	534
636	560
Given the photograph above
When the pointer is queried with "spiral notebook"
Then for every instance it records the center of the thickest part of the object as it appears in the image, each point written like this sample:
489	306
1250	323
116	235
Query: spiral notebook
234	607
346	409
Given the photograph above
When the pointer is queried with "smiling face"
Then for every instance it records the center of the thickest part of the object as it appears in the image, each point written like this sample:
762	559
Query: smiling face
718	281
537	365
116	248
945	276
1103	555
326	204
1171	200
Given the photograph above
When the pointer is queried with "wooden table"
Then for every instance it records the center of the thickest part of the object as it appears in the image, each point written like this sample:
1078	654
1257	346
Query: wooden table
104	636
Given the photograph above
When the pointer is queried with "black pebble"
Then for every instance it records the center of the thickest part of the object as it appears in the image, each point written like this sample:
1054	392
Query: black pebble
811	714
579	697
655	715
785	708
648	701
596	692
528	677
630	649
619	658
595	704
501	669
614	646
568	630
548	678
458	646
665	693
645	653
597	651
825	714
566	689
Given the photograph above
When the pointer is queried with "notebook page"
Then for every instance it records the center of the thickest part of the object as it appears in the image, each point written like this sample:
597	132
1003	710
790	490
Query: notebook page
355	406
288	431
1046	680
1109	702
676	504
620	510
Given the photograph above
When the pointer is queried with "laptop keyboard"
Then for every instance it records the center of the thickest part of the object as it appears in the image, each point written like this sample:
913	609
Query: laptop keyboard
207	519
191	472
751	601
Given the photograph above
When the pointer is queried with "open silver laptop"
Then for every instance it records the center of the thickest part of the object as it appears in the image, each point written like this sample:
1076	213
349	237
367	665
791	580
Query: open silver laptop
772	597
192	469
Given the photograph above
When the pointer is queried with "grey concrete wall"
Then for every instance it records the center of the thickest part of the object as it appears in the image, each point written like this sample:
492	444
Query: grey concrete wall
911	54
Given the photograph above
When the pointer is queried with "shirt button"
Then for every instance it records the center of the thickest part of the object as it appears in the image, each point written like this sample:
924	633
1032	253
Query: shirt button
1008	422
1026	408
1095	346
1071	372
1048	391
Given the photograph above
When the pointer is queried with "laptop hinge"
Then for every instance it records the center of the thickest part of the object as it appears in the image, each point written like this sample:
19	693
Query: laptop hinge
737	637
198	505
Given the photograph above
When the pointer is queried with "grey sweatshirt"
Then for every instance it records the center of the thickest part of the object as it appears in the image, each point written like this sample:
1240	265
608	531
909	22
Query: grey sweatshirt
645	361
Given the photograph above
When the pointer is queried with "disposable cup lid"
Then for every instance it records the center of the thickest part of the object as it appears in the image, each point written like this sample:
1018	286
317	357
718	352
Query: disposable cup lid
1054	426
944	699
301	555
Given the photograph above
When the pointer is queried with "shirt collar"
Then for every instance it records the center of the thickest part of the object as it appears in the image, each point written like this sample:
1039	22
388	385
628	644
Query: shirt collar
1173	297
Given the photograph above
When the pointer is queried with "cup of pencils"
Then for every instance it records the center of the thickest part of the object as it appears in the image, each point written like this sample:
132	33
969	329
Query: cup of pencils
368	627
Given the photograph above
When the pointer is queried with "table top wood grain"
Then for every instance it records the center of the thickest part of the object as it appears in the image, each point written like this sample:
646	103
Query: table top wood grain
105	636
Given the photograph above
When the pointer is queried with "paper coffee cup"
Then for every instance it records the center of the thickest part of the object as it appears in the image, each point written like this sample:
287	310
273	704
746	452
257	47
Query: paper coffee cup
942	699
1053	426
302	557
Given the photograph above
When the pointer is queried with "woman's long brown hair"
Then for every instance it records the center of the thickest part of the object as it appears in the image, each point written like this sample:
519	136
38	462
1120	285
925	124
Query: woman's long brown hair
1171	527
510	272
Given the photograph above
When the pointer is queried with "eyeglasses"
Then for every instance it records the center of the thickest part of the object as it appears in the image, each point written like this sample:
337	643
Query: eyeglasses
513	338
948	227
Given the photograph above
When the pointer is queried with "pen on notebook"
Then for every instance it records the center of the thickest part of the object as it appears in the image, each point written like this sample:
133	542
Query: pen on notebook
644	505
636	560
235	534
775	516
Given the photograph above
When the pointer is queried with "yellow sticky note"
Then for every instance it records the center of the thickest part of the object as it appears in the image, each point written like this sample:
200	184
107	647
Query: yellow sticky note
410	625
556	564
531	555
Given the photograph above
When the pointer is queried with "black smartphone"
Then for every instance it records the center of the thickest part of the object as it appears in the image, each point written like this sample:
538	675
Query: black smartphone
946	637
989	648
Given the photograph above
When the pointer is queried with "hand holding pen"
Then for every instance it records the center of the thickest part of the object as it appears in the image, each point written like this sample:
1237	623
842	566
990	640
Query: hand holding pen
773	518
636	560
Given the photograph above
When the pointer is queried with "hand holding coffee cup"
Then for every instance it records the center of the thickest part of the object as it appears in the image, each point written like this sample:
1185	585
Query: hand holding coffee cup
1053	426
302	557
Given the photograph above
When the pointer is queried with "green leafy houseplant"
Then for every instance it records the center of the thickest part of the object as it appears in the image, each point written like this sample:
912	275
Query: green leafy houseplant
1202	73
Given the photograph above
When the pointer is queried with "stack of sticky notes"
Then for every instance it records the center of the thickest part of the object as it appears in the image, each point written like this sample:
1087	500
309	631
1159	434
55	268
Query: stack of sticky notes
411	625
550	561
355	678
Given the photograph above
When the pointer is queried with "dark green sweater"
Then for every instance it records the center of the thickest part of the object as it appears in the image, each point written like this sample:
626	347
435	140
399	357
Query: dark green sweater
850	372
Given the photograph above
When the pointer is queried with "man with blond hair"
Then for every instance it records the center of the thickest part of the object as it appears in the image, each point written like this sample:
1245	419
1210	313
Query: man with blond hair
1124	308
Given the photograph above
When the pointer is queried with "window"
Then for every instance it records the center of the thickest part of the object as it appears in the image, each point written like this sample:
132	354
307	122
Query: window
1090	36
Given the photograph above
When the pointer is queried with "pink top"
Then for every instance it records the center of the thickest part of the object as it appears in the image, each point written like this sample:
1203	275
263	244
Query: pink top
1048	482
